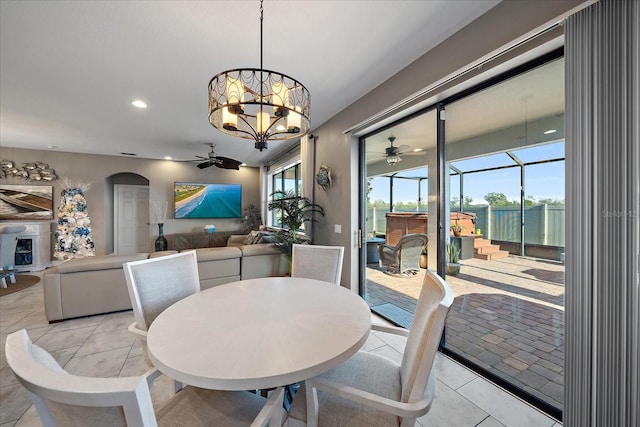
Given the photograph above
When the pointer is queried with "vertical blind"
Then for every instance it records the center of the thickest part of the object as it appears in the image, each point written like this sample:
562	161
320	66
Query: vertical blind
603	213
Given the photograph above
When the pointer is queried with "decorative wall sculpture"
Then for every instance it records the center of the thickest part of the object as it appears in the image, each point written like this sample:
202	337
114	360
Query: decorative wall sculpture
36	171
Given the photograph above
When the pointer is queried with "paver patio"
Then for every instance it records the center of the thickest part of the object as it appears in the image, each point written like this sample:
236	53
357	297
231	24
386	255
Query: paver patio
508	318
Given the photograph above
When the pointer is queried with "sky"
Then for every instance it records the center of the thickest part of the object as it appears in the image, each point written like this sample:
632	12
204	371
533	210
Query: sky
541	181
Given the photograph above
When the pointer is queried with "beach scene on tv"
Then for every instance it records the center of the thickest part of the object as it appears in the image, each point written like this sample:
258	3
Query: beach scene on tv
194	200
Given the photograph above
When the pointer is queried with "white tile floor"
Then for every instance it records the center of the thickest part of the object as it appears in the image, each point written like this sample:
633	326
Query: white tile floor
102	346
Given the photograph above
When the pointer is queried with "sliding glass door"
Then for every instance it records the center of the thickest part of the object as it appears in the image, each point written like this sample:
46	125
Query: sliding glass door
502	210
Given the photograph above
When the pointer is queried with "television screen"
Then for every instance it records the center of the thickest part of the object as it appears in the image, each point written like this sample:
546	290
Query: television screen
33	202
200	200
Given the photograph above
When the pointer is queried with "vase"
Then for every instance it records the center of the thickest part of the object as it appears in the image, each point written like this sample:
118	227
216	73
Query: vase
161	241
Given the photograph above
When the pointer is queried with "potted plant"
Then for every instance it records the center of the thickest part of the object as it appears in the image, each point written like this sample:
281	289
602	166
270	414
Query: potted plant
424	257
294	211
251	218
453	267
457	229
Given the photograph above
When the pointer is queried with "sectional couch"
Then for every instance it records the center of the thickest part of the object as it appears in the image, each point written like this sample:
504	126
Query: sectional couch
95	285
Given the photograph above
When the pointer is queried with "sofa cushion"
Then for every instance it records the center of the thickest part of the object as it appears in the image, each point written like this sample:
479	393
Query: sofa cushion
161	253
210	254
105	262
259	249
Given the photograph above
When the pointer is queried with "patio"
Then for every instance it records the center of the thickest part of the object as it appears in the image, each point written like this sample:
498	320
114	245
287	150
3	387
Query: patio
508	317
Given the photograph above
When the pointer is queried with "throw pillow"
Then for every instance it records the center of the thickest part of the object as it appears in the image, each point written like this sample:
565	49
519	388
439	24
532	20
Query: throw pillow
251	237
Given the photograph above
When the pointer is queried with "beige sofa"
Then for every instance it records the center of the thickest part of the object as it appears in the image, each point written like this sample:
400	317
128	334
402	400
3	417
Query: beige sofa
95	285
86	286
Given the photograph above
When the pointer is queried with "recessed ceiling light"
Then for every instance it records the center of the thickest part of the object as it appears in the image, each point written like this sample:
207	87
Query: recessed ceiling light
243	164
417	150
168	157
139	104
550	131
52	147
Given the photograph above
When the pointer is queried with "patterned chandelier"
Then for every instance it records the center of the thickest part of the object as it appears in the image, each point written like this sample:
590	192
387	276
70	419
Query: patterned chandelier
259	104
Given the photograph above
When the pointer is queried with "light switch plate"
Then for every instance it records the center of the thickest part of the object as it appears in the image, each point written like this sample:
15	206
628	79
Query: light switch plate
337	228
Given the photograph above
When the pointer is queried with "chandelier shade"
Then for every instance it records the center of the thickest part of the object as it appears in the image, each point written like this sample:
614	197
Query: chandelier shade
259	104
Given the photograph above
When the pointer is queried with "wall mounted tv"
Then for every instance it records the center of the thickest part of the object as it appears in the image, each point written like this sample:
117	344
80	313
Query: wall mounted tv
201	200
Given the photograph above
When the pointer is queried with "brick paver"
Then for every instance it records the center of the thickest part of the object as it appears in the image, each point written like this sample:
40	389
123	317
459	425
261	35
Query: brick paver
508	317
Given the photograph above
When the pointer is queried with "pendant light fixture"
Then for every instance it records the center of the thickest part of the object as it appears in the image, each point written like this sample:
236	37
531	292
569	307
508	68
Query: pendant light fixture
259	104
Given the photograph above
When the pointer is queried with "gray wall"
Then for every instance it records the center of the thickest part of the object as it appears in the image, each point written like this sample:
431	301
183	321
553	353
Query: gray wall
508	21
161	174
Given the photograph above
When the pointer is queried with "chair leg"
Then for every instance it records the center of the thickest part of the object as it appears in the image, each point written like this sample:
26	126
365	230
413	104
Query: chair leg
312	406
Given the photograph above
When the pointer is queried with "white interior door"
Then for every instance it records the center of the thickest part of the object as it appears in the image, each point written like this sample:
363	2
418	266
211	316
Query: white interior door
131	224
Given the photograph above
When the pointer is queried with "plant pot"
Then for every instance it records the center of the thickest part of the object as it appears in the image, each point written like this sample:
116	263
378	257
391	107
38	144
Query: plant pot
453	269
457	233
424	261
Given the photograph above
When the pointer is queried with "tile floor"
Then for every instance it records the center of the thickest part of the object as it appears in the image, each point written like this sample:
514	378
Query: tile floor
101	346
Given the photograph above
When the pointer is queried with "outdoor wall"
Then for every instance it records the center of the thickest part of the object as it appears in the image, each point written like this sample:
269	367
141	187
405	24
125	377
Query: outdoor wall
98	170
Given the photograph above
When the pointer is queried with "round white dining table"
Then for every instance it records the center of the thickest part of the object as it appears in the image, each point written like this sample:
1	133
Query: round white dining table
258	333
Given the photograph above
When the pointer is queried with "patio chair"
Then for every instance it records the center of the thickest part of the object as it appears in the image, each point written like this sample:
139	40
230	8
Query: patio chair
373	391
156	283
69	400
404	256
8	240
317	262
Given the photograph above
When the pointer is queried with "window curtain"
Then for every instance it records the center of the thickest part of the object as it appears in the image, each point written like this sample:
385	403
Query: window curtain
602	46
307	165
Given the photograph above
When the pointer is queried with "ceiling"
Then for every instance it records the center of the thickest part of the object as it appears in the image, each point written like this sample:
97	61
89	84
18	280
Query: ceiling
70	69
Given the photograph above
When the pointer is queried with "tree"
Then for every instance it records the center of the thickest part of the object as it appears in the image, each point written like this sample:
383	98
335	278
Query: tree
467	202
496	199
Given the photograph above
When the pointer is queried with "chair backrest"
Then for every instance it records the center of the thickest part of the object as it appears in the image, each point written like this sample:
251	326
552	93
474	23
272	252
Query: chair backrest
8	239
409	241
156	283
433	305
317	262
69	400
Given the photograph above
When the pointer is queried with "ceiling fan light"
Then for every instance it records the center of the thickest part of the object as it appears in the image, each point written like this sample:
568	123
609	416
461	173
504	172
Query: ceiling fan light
392	159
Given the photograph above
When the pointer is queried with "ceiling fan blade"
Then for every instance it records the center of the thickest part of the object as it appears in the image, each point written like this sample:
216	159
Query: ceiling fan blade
413	153
204	164
227	163
402	148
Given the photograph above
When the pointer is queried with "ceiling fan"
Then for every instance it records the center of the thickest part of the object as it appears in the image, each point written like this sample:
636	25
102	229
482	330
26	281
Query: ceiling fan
219	161
392	153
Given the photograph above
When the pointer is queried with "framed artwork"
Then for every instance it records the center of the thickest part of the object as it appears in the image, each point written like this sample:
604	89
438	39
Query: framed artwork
26	202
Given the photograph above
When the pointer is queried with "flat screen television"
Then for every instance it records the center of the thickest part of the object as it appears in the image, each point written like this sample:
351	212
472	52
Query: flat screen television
202	200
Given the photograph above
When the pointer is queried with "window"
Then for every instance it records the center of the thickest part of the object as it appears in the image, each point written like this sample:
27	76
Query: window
288	179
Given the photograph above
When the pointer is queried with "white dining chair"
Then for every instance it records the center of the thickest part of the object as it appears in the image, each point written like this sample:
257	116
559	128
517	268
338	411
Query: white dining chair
156	283
373	391
317	262
63	399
